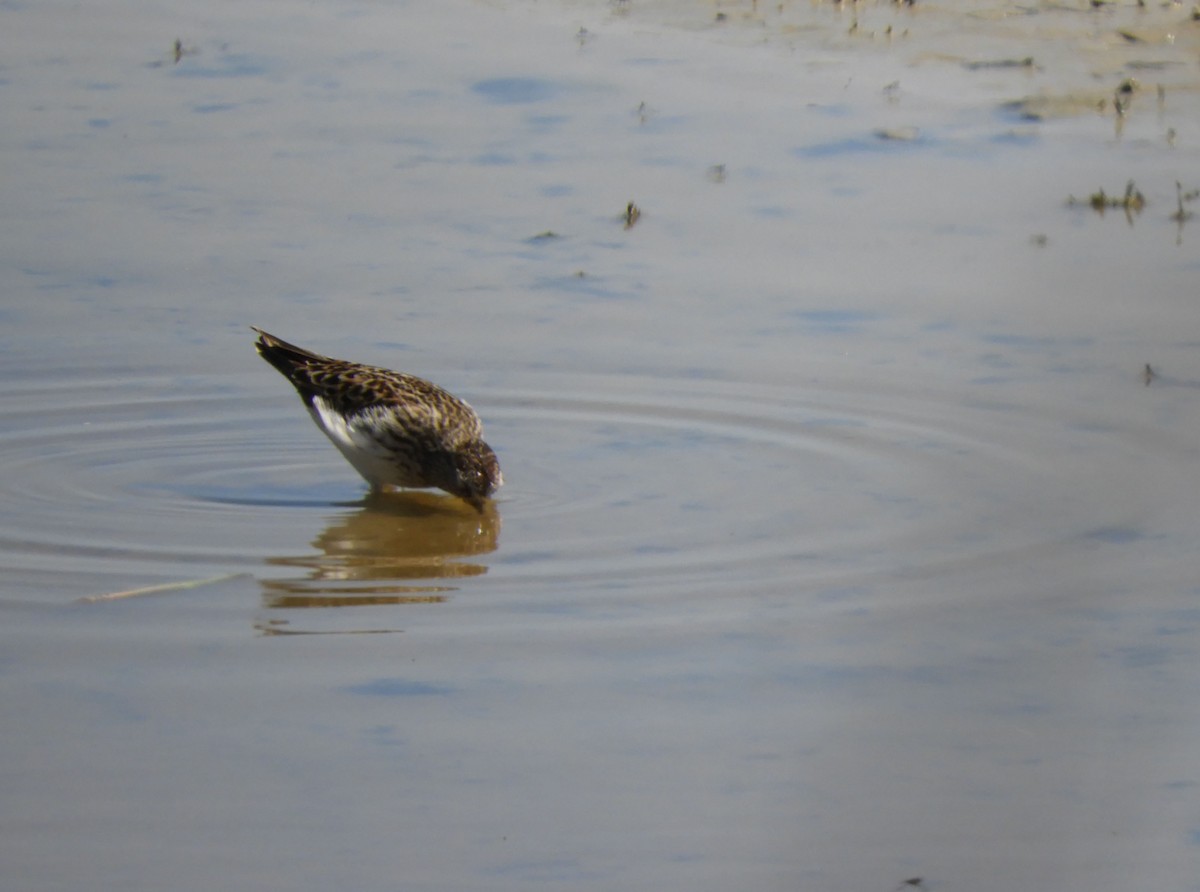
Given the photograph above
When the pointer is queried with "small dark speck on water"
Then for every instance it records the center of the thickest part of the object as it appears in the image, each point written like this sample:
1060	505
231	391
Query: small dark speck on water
1026	62
632	214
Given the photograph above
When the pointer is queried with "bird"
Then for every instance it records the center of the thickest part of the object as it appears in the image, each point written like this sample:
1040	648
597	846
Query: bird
396	429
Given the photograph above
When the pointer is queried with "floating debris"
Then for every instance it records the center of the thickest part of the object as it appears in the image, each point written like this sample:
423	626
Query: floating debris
632	214
279	627
1132	202
1039	240
1151	65
1182	214
899	134
1148	375
544	236
1027	62
157	589
716	173
178	51
1123	94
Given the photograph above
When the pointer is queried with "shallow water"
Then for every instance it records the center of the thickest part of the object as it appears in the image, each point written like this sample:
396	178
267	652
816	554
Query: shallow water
844	540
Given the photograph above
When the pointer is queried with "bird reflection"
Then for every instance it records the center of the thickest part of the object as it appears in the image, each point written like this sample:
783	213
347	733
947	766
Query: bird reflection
382	553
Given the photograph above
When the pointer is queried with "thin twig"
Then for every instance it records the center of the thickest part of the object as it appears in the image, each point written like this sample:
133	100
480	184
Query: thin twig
157	589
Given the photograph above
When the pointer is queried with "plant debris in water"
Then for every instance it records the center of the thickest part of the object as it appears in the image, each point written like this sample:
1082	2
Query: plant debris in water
178	51
1123	94
632	214
1182	214
1132	202
985	64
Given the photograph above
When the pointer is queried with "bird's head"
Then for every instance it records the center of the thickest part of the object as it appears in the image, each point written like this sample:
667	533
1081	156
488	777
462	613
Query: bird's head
476	473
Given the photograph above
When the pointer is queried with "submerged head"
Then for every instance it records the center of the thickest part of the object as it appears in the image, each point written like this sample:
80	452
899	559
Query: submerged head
475	473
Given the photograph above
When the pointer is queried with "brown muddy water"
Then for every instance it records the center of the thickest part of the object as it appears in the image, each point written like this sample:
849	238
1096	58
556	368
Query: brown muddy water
847	540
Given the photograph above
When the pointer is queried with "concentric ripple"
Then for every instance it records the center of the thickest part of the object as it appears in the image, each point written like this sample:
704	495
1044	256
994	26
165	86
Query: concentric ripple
612	482
701	483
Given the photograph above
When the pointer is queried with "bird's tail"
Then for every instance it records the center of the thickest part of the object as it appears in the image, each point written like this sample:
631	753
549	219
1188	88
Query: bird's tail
281	354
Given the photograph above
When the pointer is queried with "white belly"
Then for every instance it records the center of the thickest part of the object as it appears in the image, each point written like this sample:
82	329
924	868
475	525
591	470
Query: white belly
371	458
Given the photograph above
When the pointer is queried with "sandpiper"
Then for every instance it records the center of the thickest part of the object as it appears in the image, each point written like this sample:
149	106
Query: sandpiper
395	429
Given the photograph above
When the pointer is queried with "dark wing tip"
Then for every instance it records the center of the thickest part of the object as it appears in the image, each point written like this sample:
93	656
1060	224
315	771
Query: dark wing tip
287	358
265	340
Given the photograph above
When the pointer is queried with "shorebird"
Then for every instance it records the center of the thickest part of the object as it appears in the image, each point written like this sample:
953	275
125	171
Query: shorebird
395	429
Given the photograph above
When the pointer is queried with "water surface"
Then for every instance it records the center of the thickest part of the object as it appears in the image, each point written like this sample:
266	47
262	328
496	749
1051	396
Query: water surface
844	541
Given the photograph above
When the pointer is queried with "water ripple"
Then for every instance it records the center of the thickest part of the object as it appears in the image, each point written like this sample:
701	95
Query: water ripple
615	482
